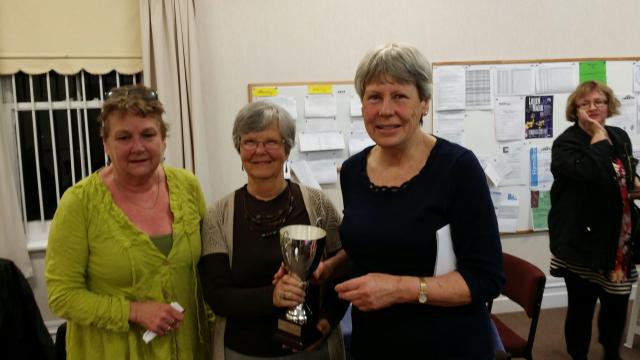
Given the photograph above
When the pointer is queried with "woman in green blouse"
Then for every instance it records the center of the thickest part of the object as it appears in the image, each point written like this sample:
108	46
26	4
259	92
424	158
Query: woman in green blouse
124	244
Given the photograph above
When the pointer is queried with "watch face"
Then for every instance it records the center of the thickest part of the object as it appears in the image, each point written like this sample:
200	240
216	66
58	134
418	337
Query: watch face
422	298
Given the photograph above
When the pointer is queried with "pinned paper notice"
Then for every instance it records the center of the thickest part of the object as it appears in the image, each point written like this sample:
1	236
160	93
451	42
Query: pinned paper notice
355	106
321	141
321	105
264	91
304	174
315	89
287	102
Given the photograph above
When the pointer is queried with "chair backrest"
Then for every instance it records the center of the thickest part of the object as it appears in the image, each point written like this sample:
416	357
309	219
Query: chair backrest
525	286
524	283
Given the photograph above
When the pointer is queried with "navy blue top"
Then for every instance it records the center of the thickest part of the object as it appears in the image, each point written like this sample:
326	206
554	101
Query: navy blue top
393	231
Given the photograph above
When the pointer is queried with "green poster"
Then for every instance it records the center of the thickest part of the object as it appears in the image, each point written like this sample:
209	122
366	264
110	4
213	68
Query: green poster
540	205
593	70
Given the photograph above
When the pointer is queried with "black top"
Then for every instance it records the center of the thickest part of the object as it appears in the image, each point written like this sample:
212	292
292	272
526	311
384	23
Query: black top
393	231
586	211
23	334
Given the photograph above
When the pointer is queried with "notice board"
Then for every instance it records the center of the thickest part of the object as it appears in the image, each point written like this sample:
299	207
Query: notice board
475	104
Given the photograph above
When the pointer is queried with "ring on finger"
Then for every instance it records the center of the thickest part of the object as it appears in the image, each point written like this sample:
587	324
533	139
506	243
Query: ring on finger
281	295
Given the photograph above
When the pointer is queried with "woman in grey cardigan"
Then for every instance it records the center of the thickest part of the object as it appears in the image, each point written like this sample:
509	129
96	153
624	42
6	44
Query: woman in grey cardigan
241	249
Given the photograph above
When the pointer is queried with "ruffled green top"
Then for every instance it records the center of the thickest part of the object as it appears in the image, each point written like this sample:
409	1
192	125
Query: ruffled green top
97	262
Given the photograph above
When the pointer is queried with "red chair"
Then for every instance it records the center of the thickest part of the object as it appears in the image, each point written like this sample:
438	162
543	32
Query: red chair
525	286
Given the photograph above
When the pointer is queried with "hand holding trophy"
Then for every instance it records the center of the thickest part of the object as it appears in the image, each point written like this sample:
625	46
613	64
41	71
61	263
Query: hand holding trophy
302	248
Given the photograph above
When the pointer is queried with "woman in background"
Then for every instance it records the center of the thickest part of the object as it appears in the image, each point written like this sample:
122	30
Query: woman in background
124	244
591	219
241	247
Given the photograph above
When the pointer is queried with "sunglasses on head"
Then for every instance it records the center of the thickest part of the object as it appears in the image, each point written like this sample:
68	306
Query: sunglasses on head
144	93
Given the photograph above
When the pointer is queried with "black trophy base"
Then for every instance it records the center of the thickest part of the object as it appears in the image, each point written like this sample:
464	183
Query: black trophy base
298	337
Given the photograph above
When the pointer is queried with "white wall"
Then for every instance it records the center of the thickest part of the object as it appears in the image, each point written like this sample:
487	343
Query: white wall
253	41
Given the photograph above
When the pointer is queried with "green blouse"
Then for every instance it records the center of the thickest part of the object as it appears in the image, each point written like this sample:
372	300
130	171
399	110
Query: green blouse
97	262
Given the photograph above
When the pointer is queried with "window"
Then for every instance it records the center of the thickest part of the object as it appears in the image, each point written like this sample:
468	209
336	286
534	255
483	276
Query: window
54	118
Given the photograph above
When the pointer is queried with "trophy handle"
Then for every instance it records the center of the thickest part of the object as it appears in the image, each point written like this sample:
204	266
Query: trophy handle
285	249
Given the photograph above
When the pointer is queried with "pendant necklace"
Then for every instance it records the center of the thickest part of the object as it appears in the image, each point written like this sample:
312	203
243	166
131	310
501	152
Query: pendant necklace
155	201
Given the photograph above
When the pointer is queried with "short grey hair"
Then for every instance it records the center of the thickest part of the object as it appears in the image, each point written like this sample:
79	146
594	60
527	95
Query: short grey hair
401	63
259	115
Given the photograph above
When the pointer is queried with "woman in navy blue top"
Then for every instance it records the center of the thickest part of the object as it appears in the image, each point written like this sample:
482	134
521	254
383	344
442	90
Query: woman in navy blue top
397	194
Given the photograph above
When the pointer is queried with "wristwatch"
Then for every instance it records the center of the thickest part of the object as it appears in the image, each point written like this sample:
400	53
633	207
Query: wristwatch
422	298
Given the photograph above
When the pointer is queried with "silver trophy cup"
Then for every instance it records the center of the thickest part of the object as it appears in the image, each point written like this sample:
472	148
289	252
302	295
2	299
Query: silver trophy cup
302	247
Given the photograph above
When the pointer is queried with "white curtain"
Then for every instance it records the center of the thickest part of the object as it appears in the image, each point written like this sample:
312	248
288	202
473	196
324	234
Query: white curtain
170	64
13	242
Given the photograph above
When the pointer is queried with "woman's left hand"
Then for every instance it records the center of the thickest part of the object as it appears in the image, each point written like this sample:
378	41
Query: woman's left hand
370	292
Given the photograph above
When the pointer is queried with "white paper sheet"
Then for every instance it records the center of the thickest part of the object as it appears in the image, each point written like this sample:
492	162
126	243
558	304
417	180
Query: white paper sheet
496	199
450	87
540	167
323	105
515	153
321	141
518	79
321	124
450	126
445	256
636	77
304	174
287	102
358	141
628	117
497	168
357	124
636	154
355	106
555	78
324	171
508	212
492	175
478	88
509	115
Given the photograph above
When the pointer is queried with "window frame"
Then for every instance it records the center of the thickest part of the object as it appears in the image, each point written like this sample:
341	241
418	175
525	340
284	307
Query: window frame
37	230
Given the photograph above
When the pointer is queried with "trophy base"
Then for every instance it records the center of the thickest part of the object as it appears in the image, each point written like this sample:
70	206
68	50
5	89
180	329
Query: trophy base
298	337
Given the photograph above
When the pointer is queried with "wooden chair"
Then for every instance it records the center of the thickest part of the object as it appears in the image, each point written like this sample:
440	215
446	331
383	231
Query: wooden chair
525	286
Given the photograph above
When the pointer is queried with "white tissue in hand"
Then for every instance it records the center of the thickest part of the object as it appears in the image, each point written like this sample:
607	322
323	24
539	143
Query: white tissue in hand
150	335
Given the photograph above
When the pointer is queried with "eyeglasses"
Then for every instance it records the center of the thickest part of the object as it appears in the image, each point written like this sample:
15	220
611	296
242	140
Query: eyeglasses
144	93
599	103
251	145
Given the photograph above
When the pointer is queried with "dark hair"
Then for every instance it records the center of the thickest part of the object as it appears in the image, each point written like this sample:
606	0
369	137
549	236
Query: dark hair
586	88
132	99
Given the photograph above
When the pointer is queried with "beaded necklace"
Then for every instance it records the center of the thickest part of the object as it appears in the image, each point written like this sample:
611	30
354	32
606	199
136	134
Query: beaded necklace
270	222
